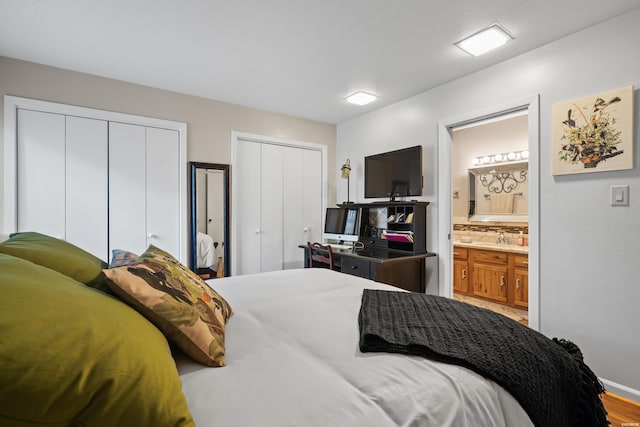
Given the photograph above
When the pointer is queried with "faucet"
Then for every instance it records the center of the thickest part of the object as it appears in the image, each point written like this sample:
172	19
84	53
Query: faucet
500	240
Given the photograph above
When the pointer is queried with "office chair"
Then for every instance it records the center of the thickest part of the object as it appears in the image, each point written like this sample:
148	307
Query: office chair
320	255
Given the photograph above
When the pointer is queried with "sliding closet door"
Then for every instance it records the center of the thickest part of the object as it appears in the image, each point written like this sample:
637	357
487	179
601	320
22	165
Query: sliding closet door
294	233
248	172
271	207
62	178
302	199
86	219
41	173
127	188
312	196
163	190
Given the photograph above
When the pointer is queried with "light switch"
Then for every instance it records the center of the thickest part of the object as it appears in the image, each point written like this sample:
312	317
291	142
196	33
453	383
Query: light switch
619	195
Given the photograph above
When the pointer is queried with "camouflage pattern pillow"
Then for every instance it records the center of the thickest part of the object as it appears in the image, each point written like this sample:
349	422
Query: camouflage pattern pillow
177	301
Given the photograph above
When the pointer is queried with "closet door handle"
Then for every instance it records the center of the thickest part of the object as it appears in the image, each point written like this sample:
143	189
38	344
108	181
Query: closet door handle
258	231
152	236
306	229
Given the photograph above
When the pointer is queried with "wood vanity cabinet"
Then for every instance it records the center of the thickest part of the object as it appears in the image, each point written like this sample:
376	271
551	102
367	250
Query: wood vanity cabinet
519	280
489	271
494	275
460	270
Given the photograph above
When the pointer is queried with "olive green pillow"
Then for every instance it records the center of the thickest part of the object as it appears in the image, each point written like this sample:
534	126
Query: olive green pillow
176	300
57	255
72	356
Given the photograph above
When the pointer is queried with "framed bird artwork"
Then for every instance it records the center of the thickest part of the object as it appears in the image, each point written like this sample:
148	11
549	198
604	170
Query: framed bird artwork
594	133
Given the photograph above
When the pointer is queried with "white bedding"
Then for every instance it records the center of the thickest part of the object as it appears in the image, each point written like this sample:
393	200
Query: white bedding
206	252
293	360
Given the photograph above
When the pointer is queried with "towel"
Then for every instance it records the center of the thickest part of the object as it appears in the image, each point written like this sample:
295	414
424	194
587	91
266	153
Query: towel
501	204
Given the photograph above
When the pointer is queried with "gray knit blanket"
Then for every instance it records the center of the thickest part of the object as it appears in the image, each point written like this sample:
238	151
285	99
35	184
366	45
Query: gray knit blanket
547	377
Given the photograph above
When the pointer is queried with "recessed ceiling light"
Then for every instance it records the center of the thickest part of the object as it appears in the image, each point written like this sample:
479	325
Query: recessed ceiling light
485	40
361	98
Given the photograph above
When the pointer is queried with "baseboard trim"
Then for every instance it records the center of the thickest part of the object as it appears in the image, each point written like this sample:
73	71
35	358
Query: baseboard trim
621	390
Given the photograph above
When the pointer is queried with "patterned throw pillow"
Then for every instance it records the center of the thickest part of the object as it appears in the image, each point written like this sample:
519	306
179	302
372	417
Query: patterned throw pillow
121	257
177	301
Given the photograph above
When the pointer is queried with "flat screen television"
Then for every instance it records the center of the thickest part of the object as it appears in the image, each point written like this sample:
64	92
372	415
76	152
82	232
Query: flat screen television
393	174
341	225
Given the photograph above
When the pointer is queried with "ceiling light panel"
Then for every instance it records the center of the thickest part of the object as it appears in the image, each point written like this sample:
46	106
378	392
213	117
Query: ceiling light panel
485	40
361	98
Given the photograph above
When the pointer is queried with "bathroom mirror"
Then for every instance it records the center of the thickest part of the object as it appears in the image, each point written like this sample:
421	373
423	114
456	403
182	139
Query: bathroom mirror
499	193
209	194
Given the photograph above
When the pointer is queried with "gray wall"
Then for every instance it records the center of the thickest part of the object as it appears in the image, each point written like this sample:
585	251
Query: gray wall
209	123
589	267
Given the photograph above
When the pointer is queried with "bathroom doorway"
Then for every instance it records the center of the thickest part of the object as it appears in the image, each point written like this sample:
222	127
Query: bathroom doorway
489	177
446	190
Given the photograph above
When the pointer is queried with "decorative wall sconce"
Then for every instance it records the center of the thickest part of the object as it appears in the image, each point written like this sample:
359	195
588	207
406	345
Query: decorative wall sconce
512	156
345	171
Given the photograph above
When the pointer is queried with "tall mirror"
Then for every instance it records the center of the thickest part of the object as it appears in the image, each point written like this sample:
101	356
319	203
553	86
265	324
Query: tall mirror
209	193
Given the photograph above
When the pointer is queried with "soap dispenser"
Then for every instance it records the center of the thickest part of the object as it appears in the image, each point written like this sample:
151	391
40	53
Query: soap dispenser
521	239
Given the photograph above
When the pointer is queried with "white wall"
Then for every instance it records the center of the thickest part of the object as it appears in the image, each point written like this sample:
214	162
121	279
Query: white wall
589	272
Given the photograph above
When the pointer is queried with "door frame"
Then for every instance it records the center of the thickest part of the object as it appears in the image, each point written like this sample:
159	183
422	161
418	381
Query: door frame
261	139
445	224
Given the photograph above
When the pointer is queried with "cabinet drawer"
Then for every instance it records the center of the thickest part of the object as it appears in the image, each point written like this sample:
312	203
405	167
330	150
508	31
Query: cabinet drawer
490	257
460	253
355	267
374	241
521	261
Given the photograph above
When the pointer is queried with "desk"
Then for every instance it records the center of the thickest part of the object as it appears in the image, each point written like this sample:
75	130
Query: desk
403	270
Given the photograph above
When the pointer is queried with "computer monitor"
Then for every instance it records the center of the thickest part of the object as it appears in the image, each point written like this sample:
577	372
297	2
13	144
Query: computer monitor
341	225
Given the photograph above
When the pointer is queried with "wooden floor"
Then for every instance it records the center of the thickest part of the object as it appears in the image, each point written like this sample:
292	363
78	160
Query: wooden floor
622	412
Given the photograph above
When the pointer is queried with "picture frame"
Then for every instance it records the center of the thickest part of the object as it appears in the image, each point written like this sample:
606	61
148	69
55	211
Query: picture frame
594	133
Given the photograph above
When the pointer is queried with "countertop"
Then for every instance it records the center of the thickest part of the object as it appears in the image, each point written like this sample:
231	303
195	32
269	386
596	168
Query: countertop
493	246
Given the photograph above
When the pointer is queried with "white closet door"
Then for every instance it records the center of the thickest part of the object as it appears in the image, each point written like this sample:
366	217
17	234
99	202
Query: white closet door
163	190
271	241
127	188
302	200
86	185
294	232
312	195
248	200
41	173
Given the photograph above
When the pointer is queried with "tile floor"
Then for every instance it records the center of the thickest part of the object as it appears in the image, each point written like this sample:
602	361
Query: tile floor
521	316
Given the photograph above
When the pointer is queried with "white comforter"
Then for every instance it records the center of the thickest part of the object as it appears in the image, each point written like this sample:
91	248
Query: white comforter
293	360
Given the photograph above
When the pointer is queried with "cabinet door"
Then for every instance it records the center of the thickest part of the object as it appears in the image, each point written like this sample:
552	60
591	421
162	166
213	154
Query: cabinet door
247	201
41	173
87	185
490	281
271	243
127	188
163	190
460	277
521	288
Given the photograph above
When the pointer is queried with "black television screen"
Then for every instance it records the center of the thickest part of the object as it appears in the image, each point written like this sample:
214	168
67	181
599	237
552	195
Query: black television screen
394	174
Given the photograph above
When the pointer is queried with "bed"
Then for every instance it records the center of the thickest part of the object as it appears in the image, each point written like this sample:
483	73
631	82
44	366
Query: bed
293	359
286	345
